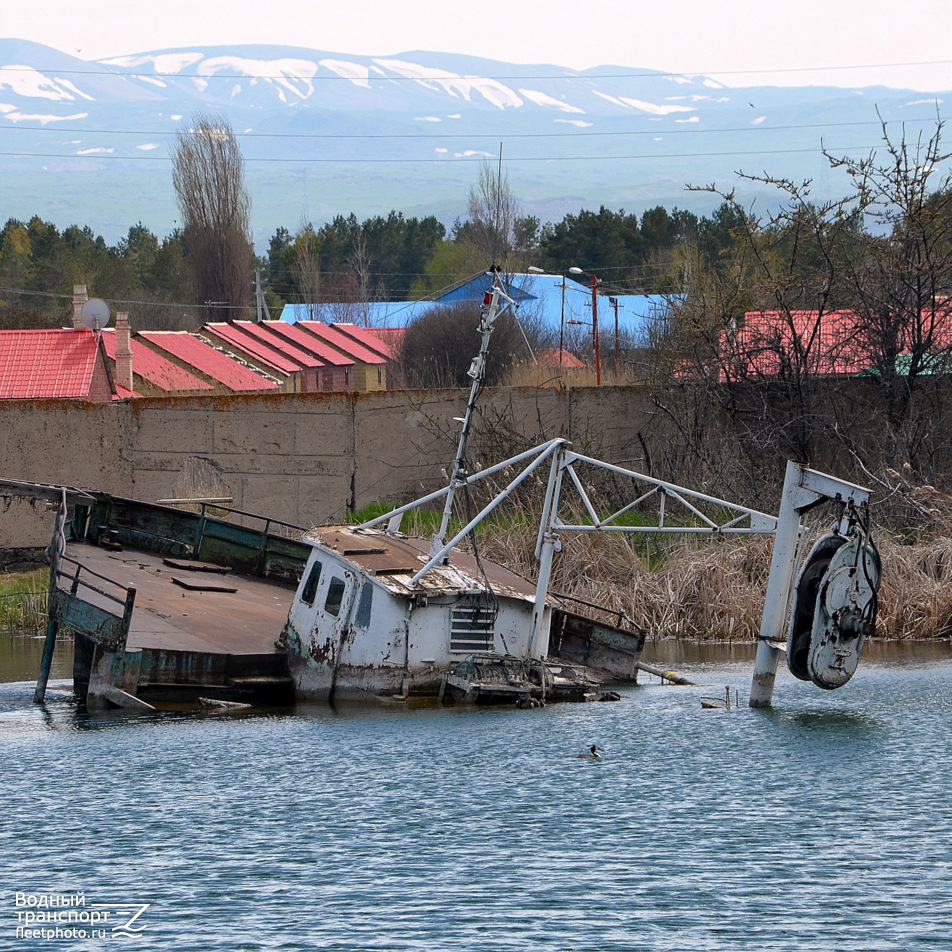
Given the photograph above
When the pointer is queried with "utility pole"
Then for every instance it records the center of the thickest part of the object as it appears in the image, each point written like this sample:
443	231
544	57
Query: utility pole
562	325
262	305
614	303
598	361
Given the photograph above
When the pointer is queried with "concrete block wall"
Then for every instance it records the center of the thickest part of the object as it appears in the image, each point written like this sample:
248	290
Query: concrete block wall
300	458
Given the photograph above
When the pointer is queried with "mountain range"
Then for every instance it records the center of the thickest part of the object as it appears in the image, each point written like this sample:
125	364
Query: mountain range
322	133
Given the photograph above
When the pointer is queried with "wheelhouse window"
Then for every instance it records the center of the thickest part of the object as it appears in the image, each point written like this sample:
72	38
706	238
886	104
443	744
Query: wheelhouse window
335	597
310	586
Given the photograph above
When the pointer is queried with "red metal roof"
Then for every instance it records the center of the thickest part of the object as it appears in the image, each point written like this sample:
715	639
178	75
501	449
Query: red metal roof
235	337
154	368
208	360
365	336
553	357
47	363
309	342
283	345
768	343
333	336
123	394
391	336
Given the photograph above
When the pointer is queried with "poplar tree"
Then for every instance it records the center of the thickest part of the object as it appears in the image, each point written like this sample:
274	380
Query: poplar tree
208	176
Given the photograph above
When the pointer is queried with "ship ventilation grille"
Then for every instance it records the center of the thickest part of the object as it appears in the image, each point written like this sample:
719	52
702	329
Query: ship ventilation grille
472	629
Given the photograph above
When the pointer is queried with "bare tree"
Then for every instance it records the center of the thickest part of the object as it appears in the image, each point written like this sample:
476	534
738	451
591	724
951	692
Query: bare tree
823	331
900	285
208	176
305	269
494	216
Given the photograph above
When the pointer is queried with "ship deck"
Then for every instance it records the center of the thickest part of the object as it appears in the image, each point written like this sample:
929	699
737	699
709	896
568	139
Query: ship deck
179	609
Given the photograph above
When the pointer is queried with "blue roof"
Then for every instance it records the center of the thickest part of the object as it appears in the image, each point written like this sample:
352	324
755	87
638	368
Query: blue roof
369	314
548	299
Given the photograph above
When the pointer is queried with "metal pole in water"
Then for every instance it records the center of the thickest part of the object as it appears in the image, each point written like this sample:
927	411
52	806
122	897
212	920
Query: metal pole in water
782	567
57	547
39	695
803	488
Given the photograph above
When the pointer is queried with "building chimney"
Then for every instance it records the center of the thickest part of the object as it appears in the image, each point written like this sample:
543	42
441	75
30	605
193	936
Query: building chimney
79	299
123	351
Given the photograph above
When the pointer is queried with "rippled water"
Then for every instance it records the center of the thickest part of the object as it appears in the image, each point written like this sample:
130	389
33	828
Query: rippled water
822	824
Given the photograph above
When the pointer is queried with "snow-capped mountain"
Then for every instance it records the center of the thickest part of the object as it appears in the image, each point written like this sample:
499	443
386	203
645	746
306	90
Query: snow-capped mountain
326	133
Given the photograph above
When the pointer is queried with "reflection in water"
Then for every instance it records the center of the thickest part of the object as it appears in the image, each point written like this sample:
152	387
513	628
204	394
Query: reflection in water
672	653
827	721
20	657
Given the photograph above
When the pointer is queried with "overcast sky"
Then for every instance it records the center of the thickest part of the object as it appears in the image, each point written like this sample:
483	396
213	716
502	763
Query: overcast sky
798	42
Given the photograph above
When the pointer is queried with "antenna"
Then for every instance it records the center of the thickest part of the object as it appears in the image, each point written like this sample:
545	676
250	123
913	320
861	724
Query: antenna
497	211
95	314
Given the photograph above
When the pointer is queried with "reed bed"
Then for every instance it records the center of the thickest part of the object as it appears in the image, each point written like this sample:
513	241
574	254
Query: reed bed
915	601
678	587
714	590
23	601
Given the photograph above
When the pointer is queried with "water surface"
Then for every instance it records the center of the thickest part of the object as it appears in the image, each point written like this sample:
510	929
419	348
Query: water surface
823	823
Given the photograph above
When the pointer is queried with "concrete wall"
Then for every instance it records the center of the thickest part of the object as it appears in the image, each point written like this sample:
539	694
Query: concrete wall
300	458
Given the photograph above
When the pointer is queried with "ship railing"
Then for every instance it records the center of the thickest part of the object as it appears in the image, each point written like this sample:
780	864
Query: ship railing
90	603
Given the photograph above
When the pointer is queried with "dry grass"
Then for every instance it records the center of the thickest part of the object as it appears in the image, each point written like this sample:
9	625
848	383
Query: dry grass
23	601
915	601
714	590
533	375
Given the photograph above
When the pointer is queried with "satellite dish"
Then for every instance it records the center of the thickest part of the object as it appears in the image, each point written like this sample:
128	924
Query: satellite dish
95	314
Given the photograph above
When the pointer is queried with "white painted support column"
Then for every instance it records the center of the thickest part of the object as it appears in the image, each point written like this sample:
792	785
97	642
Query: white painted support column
802	489
779	584
547	544
549	547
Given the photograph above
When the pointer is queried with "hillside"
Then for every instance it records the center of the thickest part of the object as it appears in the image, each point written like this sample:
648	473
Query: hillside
326	133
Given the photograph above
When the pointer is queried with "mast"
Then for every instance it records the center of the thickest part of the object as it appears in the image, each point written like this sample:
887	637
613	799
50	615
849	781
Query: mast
493	302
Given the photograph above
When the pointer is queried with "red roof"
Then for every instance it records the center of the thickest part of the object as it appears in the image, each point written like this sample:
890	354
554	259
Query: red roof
123	394
309	342
237	338
391	336
336	338
553	357
365	336
154	368
768	342
208	360
302	357
50	363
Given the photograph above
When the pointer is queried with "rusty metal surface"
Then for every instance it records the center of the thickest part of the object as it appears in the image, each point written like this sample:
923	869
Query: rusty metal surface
169	618
613	651
257	549
393	561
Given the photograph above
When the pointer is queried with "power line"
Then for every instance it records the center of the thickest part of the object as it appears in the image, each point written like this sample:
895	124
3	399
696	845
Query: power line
459	159
570	75
653	133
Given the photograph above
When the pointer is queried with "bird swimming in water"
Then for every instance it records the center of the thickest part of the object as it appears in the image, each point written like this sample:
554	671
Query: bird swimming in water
594	753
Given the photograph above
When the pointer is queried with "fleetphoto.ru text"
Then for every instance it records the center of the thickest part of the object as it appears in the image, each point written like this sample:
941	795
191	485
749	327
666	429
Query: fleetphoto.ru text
70	916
